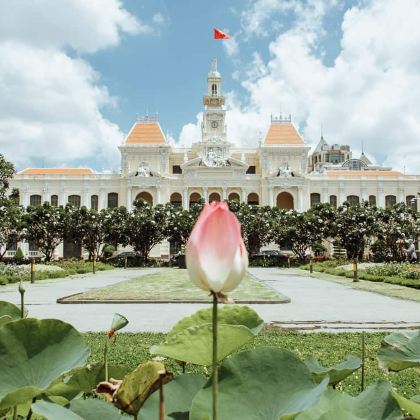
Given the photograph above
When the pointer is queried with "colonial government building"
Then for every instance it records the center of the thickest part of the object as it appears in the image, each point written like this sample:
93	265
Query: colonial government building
277	172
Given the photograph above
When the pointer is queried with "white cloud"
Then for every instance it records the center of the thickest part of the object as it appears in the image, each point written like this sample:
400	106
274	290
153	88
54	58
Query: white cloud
190	133
371	93
231	46
85	26
50	108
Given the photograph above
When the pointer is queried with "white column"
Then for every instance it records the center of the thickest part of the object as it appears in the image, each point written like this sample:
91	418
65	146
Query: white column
300	199
206	194
45	195
129	199
401	195
157	195
271	196
102	200
185	203
86	199
224	193
325	198
244	195
25	201
341	196
381	198
63	198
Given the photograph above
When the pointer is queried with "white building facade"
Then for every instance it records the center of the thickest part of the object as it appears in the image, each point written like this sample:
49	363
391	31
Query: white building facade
274	173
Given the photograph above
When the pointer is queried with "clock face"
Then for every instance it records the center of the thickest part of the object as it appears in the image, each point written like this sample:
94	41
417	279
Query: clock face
214	124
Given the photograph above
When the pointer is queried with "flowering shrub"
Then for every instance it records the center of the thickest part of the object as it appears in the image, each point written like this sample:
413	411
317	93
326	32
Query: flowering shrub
408	271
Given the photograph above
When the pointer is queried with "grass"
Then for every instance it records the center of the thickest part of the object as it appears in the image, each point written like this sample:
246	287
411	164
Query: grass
387	289
133	349
69	268
173	284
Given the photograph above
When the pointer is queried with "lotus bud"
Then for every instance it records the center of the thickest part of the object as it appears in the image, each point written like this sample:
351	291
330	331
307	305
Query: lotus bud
118	322
21	288
215	254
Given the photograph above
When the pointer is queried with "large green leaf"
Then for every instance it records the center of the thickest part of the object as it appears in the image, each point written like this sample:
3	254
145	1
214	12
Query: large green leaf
8	312
400	350
137	386
90	409
266	383
33	353
178	398
336	373
375	403
83	379
194	344
230	314
411	406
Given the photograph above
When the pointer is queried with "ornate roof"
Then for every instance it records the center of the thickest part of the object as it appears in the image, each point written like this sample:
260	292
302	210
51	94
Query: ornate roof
282	131
56	171
362	173
146	132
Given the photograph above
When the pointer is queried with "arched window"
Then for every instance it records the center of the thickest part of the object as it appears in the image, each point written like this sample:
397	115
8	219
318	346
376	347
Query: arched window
194	198
411	202
315	199
112	200
214	196
146	196
353	200
285	201
372	200
253	199
333	201
234	196
94	202
214	89
54	200
390	200
74	200
176	199
35	200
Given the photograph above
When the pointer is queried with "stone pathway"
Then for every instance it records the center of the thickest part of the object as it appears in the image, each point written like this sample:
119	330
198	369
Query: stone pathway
316	305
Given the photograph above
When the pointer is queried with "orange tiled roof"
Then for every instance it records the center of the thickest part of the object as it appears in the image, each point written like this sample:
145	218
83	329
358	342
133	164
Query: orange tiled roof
145	133
363	173
283	133
56	171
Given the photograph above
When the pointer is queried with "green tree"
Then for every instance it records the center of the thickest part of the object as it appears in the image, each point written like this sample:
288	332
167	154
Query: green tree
114	223
11	225
46	226
355	226
146	227
299	230
6	173
256	223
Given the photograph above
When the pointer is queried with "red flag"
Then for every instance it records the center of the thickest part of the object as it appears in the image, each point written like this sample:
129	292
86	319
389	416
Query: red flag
218	34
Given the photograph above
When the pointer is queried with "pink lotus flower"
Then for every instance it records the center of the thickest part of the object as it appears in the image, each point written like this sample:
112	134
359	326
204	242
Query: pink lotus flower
215	255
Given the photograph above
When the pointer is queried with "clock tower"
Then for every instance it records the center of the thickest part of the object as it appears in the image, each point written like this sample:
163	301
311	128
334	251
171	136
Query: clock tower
213	126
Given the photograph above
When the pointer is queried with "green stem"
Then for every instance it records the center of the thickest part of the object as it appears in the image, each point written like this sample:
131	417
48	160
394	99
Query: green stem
215	373
363	361
15	412
106	358
161	398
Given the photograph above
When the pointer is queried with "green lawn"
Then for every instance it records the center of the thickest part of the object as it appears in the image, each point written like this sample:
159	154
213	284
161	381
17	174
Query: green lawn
133	349
174	285
387	289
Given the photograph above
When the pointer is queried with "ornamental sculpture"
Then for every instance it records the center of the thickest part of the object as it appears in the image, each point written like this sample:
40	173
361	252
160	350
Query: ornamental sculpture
143	170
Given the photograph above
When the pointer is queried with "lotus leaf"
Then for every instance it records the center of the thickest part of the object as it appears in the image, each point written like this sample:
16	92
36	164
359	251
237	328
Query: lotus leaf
400	350
266	383
335	373
137	386
230	314
33	353
8	312
83	379
90	409
178	397
375	403
194	344
411	406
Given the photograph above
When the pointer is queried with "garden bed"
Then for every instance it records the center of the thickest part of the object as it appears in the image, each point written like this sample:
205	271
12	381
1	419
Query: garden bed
58	269
173	285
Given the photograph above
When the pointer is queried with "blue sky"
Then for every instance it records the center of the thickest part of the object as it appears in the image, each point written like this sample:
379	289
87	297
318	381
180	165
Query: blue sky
74	74
166	71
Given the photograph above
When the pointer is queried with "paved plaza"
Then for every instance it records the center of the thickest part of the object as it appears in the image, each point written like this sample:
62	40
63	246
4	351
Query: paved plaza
316	305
